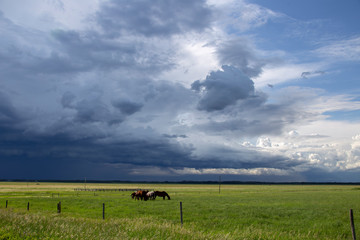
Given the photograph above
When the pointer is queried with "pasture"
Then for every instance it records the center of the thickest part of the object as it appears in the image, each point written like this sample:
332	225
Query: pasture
237	212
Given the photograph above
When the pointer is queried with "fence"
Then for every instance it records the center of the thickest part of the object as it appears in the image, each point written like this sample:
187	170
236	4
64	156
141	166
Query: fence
181	210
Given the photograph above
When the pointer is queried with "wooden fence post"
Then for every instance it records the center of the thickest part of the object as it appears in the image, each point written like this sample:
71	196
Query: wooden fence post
103	210
28	206
181	214
59	207
6	204
352	224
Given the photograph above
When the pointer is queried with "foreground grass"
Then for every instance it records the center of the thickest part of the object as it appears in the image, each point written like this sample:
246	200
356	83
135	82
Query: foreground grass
239	212
35	226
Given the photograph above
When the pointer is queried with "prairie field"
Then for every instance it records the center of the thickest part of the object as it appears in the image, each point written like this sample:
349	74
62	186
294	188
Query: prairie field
236	212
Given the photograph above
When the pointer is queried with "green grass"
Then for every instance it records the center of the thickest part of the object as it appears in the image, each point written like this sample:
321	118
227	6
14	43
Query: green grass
238	212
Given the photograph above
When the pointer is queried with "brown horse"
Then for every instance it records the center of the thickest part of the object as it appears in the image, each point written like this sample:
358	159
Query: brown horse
162	194
141	194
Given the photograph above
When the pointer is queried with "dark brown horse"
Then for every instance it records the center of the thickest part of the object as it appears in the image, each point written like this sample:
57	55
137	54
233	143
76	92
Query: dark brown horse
162	194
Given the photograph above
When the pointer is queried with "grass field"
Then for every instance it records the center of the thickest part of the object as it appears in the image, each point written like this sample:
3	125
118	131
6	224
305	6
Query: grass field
238	212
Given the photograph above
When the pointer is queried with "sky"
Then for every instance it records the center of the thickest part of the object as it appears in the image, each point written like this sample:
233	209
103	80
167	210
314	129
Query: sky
249	90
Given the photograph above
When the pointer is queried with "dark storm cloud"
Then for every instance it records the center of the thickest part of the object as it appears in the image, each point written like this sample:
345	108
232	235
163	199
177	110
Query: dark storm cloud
8	113
93	109
316	174
127	107
244	112
53	151
147	99
223	88
75	147
153	18
253	117
67	100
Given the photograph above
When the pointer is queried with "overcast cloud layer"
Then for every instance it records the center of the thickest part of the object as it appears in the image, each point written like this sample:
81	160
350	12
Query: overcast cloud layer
176	90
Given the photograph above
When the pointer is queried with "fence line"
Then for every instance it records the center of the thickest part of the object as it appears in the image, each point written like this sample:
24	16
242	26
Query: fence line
181	211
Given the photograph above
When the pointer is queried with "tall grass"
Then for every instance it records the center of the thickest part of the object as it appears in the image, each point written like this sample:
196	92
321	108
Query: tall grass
15	225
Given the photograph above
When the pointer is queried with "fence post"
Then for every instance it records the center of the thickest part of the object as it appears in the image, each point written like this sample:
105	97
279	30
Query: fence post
181	214
59	207
103	210
28	206
6	204
352	224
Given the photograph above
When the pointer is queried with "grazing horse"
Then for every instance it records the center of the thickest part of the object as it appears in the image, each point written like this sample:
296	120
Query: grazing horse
151	195
135	195
162	194
141	194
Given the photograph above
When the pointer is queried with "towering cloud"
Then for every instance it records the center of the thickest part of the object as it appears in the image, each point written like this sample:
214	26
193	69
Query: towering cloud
238	53
223	88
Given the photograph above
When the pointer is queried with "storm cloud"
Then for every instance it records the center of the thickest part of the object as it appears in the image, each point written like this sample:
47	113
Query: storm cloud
223	88
147	90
